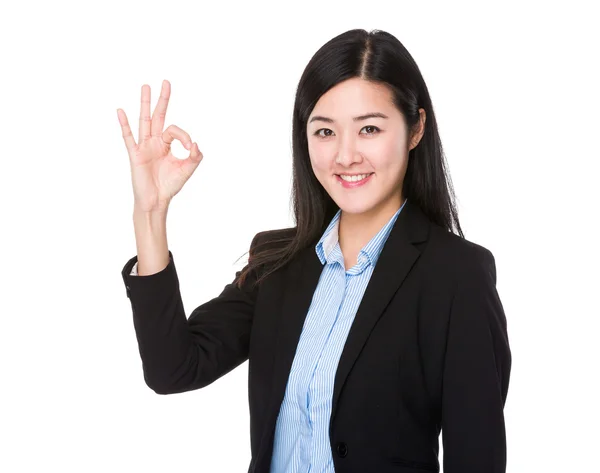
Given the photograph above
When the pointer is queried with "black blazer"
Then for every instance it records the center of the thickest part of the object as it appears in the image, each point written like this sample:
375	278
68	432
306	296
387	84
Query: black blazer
428	350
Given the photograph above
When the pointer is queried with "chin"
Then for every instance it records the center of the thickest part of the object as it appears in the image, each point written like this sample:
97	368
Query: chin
354	208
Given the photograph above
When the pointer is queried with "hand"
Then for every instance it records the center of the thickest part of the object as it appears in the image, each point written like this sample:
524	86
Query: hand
157	175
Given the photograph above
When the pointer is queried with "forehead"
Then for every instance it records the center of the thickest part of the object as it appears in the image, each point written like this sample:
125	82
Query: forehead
354	97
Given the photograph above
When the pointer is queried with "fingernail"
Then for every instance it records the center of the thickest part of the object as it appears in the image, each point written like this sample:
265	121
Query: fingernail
188	145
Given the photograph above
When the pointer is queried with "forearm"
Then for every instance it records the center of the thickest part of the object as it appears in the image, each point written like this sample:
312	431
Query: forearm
151	241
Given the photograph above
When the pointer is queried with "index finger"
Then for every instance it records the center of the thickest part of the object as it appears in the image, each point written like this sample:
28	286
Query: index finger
158	117
127	135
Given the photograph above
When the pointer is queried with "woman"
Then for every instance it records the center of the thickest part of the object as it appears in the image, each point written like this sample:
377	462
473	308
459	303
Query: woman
369	326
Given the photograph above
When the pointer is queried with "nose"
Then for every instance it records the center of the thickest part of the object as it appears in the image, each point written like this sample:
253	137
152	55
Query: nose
347	153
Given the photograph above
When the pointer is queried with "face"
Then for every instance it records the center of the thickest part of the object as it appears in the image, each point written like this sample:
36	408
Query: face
344	141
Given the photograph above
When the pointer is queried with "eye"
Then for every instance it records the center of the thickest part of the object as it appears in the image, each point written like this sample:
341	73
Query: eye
372	126
318	132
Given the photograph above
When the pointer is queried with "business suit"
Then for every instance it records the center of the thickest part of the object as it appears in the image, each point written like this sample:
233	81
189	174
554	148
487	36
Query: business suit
428	350
301	441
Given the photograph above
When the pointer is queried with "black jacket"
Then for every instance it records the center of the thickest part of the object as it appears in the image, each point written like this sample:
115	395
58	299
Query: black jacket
428	350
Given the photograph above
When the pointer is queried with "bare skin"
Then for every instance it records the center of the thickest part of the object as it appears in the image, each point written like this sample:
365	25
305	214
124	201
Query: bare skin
343	138
157	176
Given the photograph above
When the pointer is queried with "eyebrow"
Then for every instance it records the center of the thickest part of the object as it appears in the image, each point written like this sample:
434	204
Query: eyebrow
361	117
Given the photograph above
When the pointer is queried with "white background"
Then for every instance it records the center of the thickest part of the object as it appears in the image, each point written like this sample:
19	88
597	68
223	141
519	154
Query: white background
515	91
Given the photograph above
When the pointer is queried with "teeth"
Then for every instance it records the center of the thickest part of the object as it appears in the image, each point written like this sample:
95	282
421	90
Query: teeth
360	177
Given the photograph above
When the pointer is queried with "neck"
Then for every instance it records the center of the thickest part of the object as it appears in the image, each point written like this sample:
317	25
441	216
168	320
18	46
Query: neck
356	230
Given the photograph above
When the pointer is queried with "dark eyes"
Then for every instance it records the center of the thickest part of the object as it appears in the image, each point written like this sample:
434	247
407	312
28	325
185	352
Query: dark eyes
318	132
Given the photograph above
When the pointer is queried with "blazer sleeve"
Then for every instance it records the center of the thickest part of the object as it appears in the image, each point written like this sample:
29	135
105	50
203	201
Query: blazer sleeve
182	354
476	373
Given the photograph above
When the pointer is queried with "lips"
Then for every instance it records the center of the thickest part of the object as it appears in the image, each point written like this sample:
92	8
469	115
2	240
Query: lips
357	174
353	184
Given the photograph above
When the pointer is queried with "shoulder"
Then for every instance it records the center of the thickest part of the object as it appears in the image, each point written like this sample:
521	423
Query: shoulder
459	257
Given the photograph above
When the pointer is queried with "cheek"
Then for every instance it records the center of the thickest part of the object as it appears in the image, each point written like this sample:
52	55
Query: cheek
318	159
386	150
388	154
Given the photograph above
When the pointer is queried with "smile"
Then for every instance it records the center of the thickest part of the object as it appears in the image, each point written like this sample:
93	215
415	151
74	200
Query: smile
350	182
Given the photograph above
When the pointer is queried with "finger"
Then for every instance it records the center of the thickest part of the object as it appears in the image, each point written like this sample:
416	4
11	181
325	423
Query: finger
174	132
160	111
145	114
195	154
126	129
193	159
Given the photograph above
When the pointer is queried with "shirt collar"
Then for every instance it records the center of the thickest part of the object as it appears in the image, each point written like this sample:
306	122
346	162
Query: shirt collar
330	241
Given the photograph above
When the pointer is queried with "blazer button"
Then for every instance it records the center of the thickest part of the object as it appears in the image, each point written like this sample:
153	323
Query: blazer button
342	449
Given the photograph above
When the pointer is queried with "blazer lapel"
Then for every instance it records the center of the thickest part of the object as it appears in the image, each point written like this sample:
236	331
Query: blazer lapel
300	281
397	257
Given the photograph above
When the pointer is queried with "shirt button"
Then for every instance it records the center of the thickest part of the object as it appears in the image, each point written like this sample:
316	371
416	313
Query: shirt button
342	449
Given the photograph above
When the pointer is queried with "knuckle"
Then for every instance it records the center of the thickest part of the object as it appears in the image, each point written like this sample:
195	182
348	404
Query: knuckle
176	131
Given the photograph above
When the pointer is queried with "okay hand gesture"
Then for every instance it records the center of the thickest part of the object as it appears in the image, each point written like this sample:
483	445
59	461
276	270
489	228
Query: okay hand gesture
157	175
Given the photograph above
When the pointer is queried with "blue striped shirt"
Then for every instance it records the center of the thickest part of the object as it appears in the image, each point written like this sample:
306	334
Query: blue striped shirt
301	443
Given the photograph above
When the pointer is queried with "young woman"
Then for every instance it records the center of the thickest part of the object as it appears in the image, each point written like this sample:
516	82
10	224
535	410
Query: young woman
370	326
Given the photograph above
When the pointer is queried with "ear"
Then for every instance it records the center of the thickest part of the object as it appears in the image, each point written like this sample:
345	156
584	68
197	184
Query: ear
420	129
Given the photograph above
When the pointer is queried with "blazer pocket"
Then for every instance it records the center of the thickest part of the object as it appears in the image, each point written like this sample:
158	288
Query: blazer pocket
425	466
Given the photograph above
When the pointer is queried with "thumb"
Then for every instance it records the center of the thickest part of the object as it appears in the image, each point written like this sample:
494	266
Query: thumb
192	161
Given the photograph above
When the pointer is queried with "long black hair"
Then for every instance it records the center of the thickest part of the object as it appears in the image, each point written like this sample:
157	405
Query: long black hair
379	57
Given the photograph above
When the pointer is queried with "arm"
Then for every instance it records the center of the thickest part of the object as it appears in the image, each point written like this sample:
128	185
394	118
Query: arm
180	354
476	373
